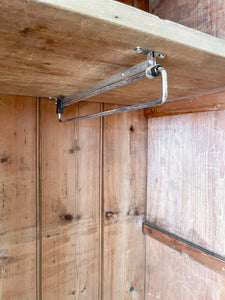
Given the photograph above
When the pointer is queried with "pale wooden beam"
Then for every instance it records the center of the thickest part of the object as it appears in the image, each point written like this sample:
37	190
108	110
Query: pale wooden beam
201	255
193	105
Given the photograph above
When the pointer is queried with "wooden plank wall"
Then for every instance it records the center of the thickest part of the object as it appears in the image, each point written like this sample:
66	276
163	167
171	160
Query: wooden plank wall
185	191
124	190
18	202
72	203
207	16
93	194
93	203
185	195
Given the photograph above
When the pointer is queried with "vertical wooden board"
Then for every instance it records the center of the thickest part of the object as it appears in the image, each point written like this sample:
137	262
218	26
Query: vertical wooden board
17	198
124	192
70	204
186	163
186	177
207	16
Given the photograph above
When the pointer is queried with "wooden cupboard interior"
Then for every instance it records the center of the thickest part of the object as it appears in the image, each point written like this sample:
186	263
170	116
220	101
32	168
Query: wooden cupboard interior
73	196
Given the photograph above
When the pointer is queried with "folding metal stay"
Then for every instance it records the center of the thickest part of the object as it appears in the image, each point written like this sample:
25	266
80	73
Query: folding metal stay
148	68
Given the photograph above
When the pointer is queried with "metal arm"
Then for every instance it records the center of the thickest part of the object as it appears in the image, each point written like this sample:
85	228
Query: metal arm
148	69
164	91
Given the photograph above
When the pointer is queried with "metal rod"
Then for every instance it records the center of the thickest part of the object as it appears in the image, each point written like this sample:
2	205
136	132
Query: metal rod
108	88
109	83
164	91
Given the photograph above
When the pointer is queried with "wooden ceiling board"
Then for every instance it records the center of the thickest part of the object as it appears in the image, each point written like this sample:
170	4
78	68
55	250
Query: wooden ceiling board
53	47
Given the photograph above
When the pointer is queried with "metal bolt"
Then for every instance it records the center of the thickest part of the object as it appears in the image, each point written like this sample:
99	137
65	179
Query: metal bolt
153	110
162	55
138	49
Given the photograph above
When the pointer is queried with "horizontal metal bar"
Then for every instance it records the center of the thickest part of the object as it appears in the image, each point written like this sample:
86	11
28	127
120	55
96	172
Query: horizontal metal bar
83	94
164	91
110	87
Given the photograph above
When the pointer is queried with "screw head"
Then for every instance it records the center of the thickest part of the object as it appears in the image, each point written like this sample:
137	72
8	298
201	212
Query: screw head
138	49
162	55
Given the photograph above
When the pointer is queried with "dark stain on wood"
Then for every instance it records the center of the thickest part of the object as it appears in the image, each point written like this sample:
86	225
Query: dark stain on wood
50	42
75	147
133	211
25	31
78	217
28	30
3	195
83	290
109	214
5	159
131	288
136	213
131	128
68	217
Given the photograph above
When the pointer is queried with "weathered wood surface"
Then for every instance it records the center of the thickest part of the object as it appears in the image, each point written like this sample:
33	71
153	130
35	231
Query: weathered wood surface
52	47
199	104
124	191
140	4
201	255
17	198
207	16
70	204
186	163
173	276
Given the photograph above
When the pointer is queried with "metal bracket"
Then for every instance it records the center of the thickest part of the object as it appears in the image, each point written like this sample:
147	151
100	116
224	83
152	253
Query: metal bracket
141	50
149	68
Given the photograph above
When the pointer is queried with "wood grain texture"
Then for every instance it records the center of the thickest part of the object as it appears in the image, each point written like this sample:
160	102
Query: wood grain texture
186	163
140	4
58	47
186	106
201	255
17	198
173	276
70	204
124	193
207	16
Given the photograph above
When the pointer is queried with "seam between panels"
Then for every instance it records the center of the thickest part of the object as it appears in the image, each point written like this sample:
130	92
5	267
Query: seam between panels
101	207
146	198
38	201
